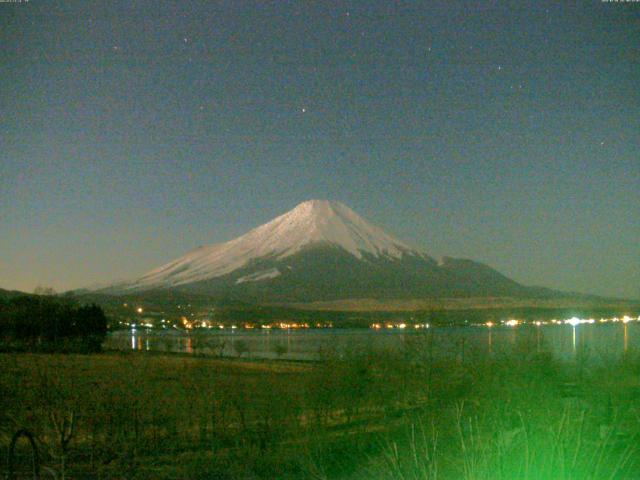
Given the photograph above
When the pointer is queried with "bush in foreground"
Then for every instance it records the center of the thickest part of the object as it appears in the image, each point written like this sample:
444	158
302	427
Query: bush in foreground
48	324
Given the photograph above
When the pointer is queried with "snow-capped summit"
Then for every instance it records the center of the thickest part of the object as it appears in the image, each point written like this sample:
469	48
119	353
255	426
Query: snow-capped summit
320	250
325	221
311	222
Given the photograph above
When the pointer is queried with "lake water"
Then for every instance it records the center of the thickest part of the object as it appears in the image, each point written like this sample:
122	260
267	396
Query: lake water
597	342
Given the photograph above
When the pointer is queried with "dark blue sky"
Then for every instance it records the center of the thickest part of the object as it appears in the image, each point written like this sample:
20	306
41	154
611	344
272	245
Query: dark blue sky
507	132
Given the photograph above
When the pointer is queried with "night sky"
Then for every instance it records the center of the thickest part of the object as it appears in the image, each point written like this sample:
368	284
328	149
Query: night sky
506	132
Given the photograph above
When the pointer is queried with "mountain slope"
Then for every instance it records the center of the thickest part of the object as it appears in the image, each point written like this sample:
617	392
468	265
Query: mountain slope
326	272
322	250
311	222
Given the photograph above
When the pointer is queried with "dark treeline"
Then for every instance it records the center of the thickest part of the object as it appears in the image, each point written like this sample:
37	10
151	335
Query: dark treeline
42	323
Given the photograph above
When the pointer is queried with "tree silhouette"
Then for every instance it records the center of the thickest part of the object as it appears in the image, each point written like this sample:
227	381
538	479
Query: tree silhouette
43	323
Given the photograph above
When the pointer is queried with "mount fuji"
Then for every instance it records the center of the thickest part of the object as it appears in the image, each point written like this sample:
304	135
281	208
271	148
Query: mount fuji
322	250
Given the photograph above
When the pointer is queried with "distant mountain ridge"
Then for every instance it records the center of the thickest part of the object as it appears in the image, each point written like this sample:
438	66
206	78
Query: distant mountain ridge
12	293
323	250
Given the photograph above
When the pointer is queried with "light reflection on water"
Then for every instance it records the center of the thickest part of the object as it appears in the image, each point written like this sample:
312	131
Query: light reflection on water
140	340
565	341
626	339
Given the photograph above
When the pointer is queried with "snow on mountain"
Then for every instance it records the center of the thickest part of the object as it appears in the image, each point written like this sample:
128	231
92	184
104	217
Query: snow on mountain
311	222
261	275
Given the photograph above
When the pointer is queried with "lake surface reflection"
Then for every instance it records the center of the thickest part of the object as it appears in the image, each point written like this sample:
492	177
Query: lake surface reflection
598	342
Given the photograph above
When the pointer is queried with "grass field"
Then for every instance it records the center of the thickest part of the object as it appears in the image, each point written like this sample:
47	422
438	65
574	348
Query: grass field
364	415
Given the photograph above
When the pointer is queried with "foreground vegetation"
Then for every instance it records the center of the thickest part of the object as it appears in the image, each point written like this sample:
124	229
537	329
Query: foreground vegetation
41	323
363	415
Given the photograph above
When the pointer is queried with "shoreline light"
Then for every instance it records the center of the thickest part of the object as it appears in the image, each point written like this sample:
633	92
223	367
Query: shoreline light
574	321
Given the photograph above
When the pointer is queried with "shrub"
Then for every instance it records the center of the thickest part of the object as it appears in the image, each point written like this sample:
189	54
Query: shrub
36	323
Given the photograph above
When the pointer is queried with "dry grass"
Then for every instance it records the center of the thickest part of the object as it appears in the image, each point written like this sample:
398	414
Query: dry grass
364	415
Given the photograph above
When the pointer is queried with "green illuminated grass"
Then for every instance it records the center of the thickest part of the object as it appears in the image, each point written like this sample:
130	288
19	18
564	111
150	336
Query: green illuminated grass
364	415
